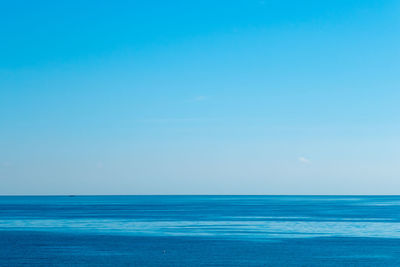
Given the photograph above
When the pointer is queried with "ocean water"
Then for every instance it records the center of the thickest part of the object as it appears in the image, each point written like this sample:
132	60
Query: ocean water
200	231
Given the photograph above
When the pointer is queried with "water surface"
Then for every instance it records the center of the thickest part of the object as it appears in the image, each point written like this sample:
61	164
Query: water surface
200	230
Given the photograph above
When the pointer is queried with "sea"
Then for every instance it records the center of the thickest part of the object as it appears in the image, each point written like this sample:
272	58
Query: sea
200	230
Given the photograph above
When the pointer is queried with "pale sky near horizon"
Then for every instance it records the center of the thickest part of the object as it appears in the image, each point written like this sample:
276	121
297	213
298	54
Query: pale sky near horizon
200	97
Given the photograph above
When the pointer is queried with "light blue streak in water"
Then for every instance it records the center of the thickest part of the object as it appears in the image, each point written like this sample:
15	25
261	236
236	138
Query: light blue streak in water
224	229
226	217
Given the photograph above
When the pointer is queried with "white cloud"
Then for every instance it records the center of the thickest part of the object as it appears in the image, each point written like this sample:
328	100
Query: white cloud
304	160
200	98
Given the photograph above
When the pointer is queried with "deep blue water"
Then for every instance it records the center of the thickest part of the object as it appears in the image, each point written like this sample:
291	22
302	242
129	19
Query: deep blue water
200	231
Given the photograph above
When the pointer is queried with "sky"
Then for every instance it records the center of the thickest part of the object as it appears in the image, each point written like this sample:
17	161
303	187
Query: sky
200	97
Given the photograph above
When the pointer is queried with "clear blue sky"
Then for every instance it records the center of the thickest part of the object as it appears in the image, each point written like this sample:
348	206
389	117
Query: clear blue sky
200	97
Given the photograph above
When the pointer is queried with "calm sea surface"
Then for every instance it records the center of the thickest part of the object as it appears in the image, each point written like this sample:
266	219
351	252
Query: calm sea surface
200	231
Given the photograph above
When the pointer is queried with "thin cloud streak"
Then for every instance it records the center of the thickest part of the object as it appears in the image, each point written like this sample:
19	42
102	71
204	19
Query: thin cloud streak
304	160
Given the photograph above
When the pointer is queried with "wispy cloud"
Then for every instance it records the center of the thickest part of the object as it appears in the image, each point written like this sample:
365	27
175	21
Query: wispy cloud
178	120
304	160
6	164
200	98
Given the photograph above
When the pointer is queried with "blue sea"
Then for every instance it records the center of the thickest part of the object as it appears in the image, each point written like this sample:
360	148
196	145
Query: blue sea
200	231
